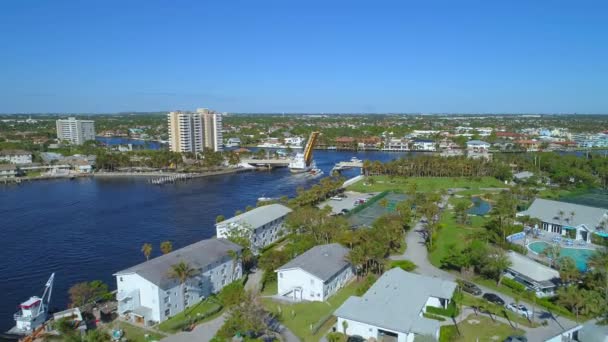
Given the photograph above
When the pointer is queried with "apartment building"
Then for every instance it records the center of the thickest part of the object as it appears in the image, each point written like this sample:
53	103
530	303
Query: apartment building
75	131
193	132
147	294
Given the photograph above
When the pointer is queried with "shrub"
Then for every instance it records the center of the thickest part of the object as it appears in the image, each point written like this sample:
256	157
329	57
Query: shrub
435	317
448	333
365	285
513	285
599	240
336	337
232	293
405	265
518	248
451	311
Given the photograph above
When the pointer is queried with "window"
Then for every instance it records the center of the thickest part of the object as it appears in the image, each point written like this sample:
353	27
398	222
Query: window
120	279
281	275
312	281
167	312
166	300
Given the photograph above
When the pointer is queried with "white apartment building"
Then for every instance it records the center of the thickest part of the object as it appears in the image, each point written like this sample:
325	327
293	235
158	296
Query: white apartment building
263	225
147	294
316	274
16	156
193	132
75	131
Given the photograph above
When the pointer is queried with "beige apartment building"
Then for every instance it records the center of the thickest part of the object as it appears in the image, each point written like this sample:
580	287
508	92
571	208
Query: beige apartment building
193	132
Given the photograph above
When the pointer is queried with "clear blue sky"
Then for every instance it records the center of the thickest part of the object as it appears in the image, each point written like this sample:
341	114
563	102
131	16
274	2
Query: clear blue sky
304	56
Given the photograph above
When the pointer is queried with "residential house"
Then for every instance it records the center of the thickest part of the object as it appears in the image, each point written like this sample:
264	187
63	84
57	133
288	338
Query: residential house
16	156
316	274
529	145
541	279
262	225
147	294
394	306
369	143
424	145
8	171
345	143
478	149
233	142
396	144
568	219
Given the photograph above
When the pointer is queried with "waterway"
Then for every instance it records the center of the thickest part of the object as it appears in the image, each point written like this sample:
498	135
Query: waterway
87	229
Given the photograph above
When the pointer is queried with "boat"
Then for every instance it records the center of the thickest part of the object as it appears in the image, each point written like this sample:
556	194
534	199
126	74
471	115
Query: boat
355	160
315	172
33	312
266	199
303	161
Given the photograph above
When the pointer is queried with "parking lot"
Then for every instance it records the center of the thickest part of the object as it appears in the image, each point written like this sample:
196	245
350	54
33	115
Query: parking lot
348	202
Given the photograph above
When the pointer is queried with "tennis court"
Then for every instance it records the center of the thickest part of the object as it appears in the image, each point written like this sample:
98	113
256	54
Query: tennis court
373	209
594	198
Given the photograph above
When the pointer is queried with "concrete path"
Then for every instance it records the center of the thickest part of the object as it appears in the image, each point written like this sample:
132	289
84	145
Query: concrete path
417	253
203	332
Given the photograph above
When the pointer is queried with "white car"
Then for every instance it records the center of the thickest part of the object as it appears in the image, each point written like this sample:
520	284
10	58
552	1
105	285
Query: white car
336	198
519	309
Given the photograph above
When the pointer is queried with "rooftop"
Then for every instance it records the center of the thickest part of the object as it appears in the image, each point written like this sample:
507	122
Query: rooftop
476	143
548	211
396	300
14	153
323	261
198	255
259	216
532	270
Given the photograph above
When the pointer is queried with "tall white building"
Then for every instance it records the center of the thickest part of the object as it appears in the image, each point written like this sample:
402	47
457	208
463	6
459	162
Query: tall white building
75	131
193	132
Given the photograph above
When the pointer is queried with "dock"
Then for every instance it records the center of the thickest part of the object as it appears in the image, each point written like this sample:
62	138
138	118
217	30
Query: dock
268	162
347	165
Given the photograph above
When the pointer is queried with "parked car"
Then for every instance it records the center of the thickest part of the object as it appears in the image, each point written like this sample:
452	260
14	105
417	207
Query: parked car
344	211
493	298
336	198
469	287
516	339
519	309
355	338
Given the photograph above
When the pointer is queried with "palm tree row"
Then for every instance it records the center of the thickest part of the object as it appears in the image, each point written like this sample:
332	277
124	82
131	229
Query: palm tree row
165	247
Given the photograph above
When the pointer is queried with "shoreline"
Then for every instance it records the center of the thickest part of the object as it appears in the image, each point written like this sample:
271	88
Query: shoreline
168	174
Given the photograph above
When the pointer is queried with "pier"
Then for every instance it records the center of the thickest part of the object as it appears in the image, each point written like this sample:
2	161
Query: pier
268	162
180	177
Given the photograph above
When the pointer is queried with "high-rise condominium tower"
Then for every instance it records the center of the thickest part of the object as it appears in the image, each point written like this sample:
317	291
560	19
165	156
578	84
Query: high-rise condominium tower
75	131
192	132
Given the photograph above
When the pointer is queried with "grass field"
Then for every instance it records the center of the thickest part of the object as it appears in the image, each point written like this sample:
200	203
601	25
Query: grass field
424	184
134	333
301	316
172	325
478	328
453	233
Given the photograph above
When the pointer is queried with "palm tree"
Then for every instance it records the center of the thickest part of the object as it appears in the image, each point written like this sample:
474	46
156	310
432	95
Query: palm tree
571	298
181	272
147	250
166	247
552	252
561	214
599	263
572	213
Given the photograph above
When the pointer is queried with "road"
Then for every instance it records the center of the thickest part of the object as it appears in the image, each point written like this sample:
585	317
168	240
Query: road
416	252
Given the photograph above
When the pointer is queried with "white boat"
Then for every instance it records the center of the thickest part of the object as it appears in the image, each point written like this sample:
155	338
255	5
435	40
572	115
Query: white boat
33	312
355	160
266	199
303	162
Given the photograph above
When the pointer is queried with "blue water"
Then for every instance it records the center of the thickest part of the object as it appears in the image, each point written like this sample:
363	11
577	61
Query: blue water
579	255
480	207
86	229
147	144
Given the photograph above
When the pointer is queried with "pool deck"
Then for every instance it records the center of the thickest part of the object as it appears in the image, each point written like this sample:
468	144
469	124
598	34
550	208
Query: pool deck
548	238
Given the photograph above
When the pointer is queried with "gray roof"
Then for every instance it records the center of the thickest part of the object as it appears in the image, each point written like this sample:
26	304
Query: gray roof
532	270
324	261
548	211
198	255
259	216
14	153
523	175
476	142
592	332
396	300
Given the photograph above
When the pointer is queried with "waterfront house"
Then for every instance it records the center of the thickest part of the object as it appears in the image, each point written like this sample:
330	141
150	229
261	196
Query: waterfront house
477	149
393	307
233	142
8	171
16	156
568	219
262	225
541	279
147	294
423	145
316	274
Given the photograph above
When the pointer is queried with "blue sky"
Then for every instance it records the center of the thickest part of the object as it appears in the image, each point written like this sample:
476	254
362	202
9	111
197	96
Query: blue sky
304	56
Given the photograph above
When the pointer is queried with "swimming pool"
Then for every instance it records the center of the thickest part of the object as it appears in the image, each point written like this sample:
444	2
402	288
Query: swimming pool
580	255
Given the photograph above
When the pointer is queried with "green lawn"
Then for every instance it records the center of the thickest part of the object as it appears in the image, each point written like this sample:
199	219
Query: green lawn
453	233
299	317
270	288
472	301
478	328
425	184
134	333
175	323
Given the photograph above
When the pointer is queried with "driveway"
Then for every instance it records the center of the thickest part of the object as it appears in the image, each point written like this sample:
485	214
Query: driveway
416	252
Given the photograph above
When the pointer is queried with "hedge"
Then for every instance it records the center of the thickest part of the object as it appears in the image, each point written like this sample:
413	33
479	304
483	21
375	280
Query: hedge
435	317
405	265
451	311
513	285
371	201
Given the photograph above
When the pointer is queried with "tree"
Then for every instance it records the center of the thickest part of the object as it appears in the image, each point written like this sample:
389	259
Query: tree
497	262
568	271
552	252
247	317
219	218
571	298
86	292
344	326
461	212
181	272
166	247
598	262
147	250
